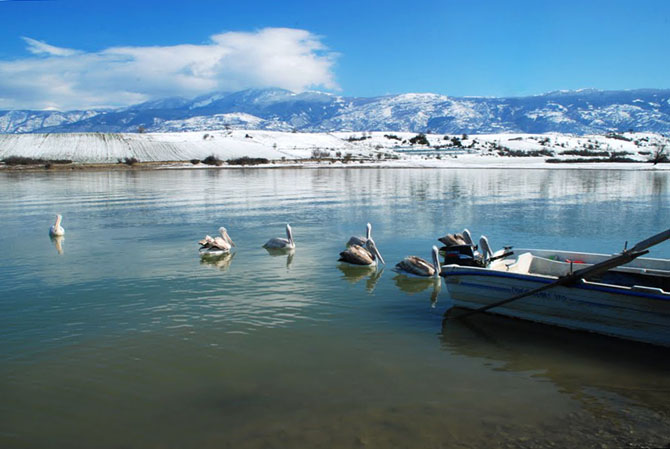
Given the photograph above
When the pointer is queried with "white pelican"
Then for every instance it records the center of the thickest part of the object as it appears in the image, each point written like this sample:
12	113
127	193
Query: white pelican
361	241
281	243
417	266
217	245
56	230
359	255
485	249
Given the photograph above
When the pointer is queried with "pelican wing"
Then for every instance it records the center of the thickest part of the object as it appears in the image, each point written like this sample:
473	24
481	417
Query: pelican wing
357	255
416	265
206	241
453	239
220	243
276	243
360	241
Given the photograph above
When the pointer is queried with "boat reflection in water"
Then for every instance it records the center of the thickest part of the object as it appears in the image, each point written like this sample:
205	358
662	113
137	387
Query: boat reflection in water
611	378
57	241
280	252
413	284
220	261
355	273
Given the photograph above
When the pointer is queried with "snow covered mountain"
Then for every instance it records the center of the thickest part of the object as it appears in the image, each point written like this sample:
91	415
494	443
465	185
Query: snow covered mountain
575	112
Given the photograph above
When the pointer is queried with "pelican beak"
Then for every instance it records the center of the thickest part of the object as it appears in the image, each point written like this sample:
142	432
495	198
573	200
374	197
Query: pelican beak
229	239
377	253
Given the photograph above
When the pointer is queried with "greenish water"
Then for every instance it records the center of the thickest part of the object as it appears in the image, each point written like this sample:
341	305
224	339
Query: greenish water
128	339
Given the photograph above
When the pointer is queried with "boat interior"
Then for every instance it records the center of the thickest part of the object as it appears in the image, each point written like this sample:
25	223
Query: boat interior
641	273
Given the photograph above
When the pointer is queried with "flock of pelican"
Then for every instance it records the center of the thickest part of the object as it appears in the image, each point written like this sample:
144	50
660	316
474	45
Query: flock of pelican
361	251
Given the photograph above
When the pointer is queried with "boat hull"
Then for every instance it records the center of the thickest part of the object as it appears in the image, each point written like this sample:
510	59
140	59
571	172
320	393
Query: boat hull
640	314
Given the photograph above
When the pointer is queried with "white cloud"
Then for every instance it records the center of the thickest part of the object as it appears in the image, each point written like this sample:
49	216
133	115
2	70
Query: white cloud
42	48
65	79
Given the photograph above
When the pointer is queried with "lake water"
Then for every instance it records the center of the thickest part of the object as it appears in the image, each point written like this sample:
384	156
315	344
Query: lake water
120	336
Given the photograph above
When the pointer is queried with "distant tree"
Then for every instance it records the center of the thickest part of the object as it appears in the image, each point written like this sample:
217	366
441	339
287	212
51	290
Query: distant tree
419	139
212	160
660	155
248	161
141	129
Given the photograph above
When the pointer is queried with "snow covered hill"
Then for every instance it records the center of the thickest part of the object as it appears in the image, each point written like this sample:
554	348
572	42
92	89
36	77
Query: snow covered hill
574	112
401	149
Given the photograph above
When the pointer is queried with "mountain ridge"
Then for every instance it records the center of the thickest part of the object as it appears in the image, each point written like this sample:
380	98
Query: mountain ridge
584	111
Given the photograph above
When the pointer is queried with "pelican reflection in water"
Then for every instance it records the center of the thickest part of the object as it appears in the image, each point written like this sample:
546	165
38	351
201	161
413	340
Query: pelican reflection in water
356	273
220	261
413	285
57	241
278	252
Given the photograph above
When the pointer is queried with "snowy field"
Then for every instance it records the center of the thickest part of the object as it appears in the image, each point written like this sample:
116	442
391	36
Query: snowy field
393	149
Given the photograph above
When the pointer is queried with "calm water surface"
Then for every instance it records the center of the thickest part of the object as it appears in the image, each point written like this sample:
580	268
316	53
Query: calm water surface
121	336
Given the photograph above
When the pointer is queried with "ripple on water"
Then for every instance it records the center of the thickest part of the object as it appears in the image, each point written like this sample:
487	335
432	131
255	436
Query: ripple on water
127	338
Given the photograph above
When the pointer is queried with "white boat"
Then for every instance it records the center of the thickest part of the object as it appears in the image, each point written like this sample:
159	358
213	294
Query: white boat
630	301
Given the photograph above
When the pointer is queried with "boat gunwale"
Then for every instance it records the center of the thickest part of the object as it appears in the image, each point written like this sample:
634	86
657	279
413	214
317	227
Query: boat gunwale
545	279
634	266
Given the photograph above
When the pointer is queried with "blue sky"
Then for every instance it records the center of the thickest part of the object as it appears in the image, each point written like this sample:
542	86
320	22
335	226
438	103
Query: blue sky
65	54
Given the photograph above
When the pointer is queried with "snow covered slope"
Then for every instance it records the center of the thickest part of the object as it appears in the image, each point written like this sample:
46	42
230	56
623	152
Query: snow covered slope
575	112
342	146
100	147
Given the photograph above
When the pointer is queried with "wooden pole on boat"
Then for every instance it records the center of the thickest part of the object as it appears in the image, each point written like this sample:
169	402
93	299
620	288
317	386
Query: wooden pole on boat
626	256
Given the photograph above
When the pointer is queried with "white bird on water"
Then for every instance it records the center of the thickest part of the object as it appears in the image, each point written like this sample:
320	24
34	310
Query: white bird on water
417	266
56	230
281	243
217	245
361	241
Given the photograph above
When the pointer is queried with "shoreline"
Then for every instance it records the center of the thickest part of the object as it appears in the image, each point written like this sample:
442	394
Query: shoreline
506	163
